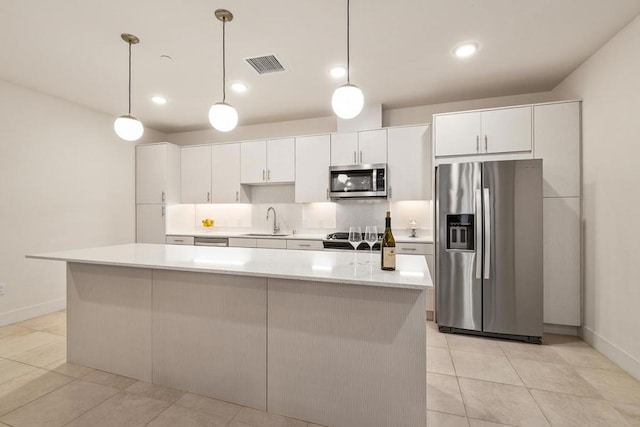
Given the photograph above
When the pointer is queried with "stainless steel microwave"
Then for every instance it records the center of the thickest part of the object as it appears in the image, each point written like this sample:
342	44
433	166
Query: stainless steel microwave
358	181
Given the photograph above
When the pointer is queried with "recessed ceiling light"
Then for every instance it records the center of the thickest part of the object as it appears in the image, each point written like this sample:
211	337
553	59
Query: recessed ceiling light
337	72
160	100
465	50
239	87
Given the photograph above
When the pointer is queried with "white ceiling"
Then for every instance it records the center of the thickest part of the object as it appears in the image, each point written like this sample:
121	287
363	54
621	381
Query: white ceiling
401	51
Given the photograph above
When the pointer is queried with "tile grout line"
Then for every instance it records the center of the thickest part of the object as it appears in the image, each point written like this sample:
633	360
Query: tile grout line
38	398
455	371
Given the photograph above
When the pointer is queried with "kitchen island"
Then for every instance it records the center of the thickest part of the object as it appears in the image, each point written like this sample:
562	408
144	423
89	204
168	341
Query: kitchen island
326	337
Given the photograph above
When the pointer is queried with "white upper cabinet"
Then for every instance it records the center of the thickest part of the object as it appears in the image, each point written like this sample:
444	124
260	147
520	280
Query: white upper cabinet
409	169
497	131
372	146
353	148
312	168
344	148
557	141
281	160
157	173
253	162
196	174
225	174
269	161
506	130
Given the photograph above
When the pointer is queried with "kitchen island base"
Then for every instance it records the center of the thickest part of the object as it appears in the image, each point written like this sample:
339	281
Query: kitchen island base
328	353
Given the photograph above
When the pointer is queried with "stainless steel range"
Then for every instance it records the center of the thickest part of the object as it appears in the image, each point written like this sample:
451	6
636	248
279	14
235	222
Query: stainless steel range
340	241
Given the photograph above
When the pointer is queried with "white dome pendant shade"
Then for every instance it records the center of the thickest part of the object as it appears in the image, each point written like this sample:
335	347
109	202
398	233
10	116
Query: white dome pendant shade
127	126
347	101
222	116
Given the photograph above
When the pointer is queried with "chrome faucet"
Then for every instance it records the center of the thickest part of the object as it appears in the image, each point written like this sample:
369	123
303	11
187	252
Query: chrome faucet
276	226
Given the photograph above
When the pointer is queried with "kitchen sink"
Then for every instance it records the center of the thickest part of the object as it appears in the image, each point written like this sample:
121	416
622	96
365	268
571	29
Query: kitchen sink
265	234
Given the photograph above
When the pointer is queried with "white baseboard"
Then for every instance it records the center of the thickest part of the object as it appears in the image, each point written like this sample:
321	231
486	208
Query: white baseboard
560	329
25	313
612	351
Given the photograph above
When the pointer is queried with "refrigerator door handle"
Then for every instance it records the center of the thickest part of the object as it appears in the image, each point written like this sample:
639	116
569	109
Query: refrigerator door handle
478	234
487	233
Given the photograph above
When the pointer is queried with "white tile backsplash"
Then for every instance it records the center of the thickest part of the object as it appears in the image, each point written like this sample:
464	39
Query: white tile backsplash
319	218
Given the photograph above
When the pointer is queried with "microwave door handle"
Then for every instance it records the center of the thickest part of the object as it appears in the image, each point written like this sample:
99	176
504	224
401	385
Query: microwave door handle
373	180
487	233
478	234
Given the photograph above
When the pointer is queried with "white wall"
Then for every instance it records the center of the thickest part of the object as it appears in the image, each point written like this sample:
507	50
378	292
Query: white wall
66	181
609	85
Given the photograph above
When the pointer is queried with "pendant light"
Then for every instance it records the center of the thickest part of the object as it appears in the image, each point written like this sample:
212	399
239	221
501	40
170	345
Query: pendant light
223	116
347	100
127	126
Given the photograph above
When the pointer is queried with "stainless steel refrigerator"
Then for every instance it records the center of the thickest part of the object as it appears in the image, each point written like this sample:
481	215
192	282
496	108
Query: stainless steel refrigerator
489	249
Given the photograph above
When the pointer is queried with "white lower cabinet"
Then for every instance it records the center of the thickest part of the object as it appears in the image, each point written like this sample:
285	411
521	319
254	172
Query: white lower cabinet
561	223
180	240
271	243
425	249
150	223
309	245
241	242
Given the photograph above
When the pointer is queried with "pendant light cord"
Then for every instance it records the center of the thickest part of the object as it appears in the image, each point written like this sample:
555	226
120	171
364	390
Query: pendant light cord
129	78
348	79
224	63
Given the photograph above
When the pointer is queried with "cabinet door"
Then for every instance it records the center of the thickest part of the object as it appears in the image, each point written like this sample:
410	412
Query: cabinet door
271	243
253	162
150	220
281	160
344	149
506	130
409	163
225	174
372	147
312	168
561	228
195	171
557	142
151	173
458	134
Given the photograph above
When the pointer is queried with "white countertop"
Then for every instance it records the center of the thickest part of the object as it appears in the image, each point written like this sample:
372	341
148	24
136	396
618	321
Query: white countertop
321	266
426	238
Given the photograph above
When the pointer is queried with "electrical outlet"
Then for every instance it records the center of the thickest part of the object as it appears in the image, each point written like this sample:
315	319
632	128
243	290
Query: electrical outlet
3	288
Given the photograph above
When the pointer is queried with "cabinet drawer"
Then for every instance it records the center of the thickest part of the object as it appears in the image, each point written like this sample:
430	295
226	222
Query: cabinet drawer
239	242
414	248
179	240
311	245
271	243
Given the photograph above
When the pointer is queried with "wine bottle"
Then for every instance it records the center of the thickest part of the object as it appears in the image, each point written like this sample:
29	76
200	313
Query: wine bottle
388	246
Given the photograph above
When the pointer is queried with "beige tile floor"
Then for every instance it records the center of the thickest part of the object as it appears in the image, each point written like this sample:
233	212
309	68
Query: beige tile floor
470	382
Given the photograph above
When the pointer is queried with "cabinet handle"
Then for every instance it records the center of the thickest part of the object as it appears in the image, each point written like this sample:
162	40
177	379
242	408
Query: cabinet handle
354	158
390	191
163	196
263	175
327	194
485	143
477	143
408	249
237	196
208	196
178	240
163	211
305	246
268	174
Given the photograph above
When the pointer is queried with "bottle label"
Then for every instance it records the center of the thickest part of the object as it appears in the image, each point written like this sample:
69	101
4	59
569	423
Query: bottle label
389	257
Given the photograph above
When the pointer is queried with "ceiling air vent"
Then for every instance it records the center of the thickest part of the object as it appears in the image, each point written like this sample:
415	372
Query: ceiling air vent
265	64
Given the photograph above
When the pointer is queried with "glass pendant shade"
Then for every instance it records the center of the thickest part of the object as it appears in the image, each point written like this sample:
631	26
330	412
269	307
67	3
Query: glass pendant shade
223	117
347	101
128	127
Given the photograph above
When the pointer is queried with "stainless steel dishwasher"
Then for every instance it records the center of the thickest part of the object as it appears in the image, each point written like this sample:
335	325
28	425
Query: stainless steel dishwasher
211	241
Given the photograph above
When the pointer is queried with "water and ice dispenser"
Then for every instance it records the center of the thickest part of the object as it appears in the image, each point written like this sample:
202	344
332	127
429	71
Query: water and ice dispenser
460	232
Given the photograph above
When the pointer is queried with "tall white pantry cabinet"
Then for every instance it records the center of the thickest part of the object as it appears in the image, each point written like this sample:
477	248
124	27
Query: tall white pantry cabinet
157	185
551	132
